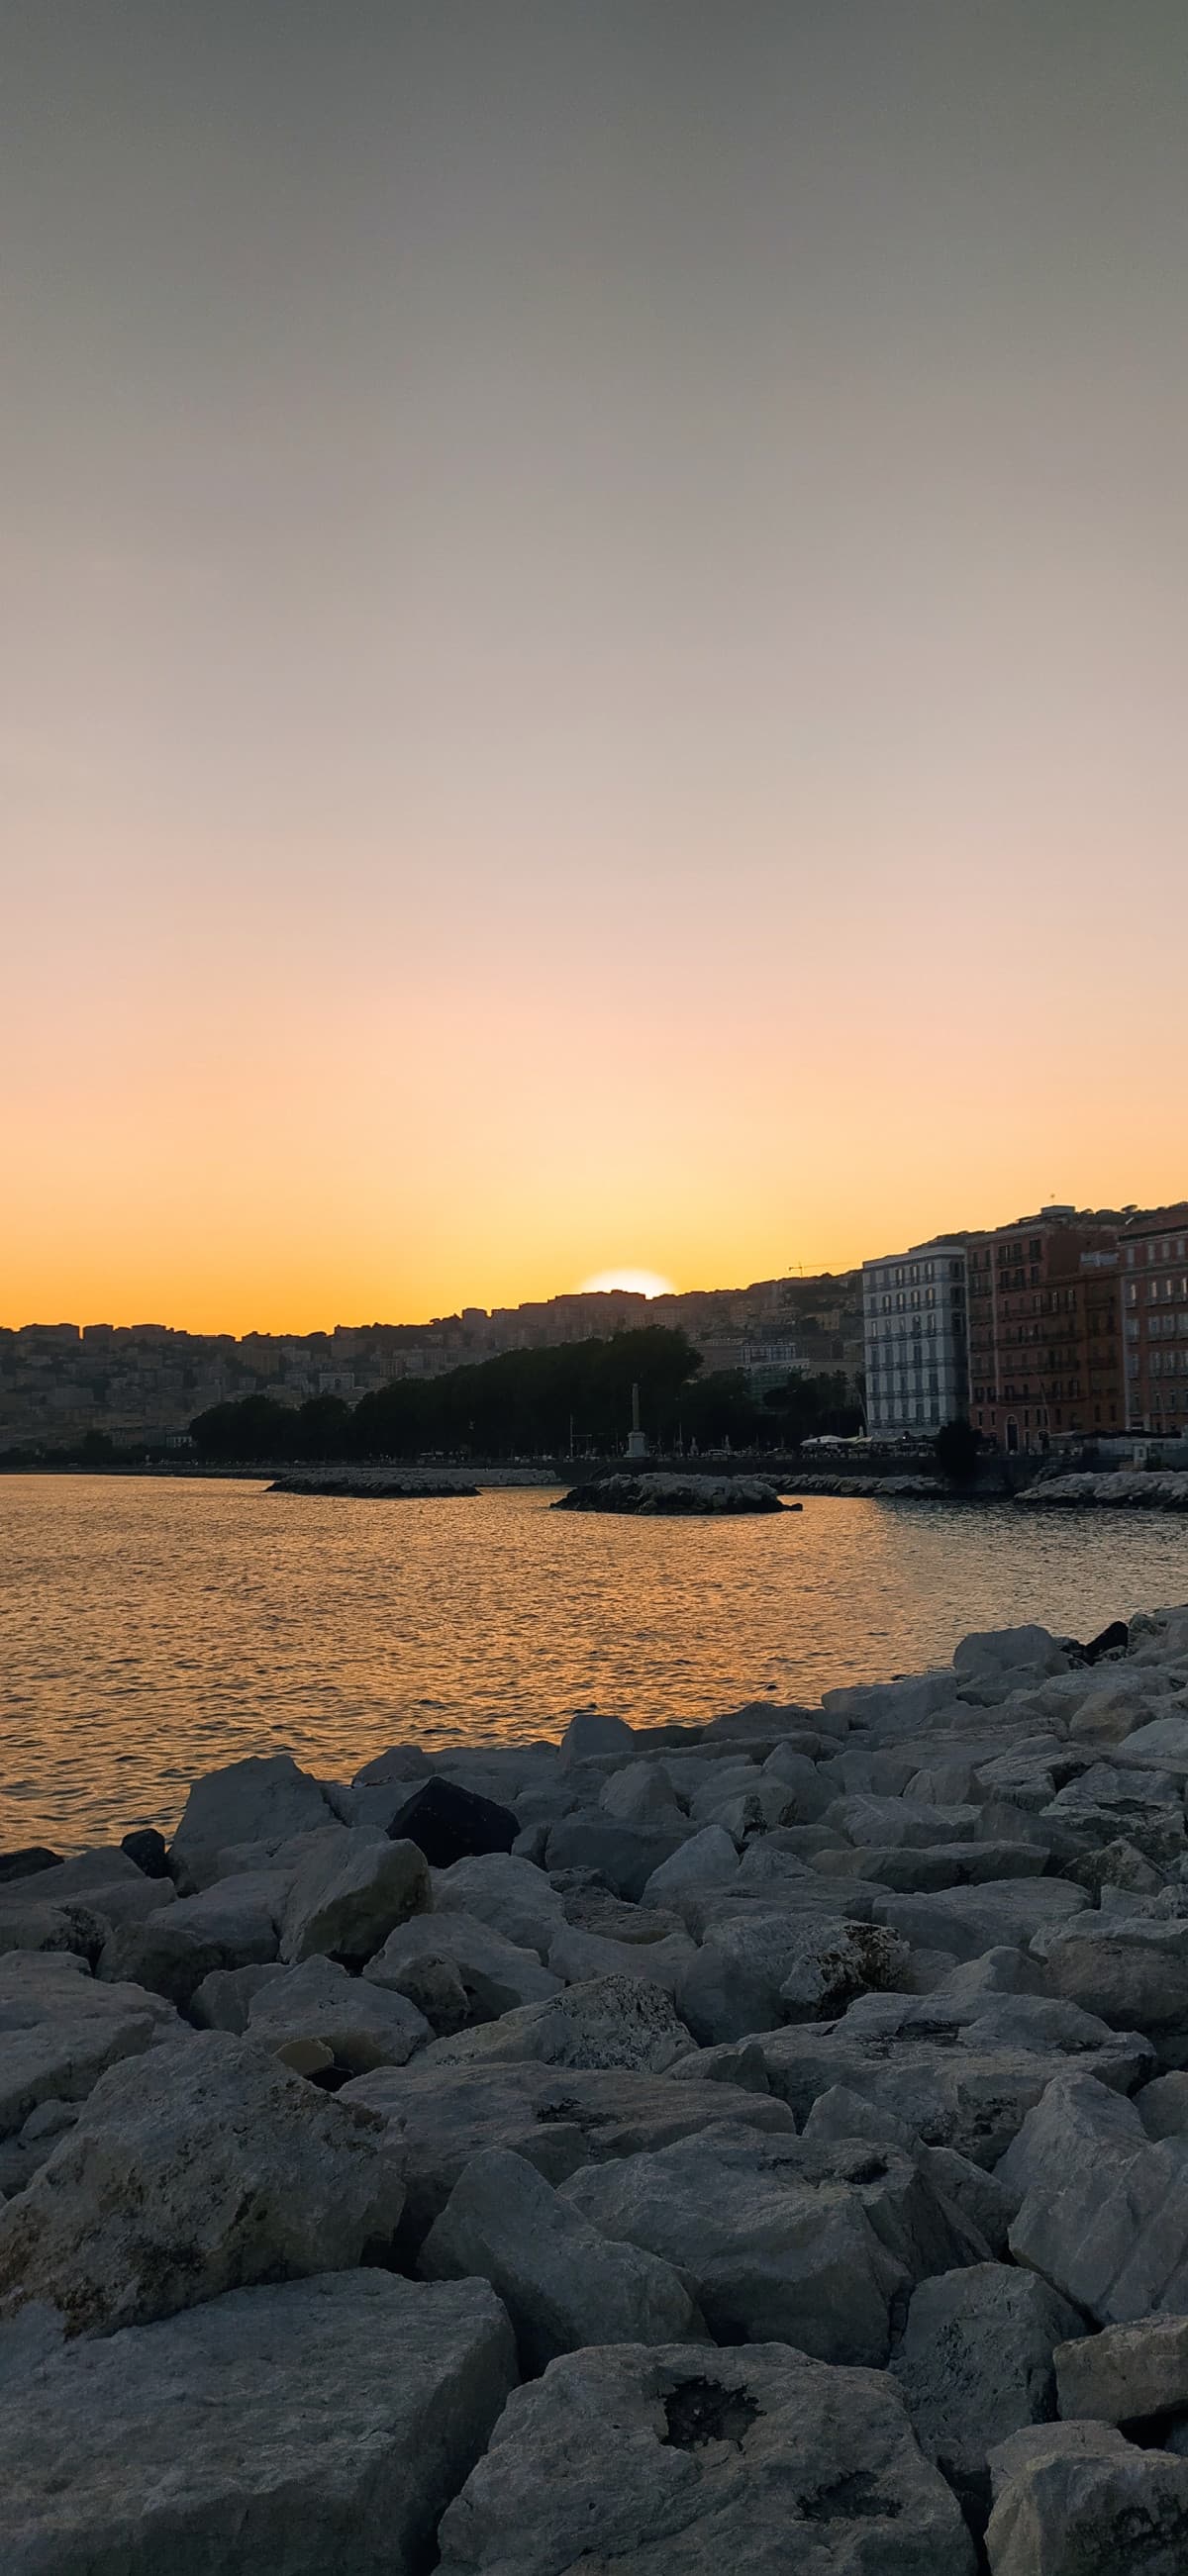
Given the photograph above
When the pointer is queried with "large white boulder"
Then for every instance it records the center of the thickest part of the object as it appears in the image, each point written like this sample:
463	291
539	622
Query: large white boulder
670	2462
203	2167
285	2431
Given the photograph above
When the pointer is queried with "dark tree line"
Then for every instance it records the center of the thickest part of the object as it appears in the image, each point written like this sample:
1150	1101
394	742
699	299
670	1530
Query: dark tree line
535	1404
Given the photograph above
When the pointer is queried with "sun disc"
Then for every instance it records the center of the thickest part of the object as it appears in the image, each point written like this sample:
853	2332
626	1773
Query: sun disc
643	1283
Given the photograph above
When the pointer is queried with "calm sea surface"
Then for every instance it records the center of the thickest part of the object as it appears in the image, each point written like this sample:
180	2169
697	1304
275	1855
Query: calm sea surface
151	1630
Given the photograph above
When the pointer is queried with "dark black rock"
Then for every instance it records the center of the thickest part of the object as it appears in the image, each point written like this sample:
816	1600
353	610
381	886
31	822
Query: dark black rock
148	1849
26	1863
448	1823
1111	1641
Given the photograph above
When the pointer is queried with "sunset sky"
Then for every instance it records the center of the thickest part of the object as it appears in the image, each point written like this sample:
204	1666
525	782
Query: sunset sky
593	657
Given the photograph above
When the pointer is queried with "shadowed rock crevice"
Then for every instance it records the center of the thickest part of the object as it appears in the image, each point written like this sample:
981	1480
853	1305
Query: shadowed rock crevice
701	2410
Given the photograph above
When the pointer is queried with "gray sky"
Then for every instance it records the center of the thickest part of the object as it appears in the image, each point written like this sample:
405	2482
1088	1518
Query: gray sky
507	509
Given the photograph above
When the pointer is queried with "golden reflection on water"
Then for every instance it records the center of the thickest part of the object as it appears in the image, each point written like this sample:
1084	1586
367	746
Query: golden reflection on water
152	1629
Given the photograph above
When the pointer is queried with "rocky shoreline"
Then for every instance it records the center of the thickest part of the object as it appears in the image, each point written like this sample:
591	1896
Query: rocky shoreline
1144	1489
761	2142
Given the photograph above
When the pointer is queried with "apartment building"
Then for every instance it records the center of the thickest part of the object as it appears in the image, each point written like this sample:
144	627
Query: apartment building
1045	1345
1154	1278
914	1332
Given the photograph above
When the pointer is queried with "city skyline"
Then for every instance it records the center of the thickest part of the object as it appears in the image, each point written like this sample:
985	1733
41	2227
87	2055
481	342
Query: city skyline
592	668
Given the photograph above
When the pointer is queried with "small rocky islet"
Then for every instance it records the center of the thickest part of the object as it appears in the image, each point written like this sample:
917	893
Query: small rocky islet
674	1496
763	2142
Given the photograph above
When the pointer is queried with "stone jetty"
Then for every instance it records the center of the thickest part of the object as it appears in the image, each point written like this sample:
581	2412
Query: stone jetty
761	2144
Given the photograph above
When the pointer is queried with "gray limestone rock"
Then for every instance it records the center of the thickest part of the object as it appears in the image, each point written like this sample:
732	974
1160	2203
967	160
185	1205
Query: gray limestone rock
769	2254
892	1709
1079	2500
590	1733
891	1821
316	2018
605	2022
640	1794
224	1998
1130	1970
508	1894
1127	2373
318	2425
624	1856
925	1870
667	2462
562	2282
576	1955
70	1927
1104	2213
60	2030
347	1898
263	1799
592	1908
835	1963
102	1883
1007	1650
496	1976
975	2363
1163	2106
965	2080
233	1924
441	2116
201	2168
970	1920
733	1987
708	1859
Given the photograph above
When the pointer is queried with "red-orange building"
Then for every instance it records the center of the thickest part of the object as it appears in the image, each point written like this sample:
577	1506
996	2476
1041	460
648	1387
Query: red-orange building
1154	1274
1045	1345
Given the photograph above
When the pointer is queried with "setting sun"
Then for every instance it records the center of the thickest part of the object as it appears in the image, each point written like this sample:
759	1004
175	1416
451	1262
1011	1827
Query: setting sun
643	1283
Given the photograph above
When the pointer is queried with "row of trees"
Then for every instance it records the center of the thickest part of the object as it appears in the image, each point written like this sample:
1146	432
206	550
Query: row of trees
537	1404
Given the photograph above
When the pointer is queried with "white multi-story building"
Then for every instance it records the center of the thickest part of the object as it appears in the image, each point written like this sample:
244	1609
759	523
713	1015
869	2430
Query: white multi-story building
917	1355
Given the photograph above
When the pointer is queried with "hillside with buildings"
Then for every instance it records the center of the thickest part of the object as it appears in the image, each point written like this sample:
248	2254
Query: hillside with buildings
134	1383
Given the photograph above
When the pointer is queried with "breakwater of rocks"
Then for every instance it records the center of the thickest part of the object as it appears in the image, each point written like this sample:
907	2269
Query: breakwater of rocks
765	2139
674	1496
1146	1489
406	1489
